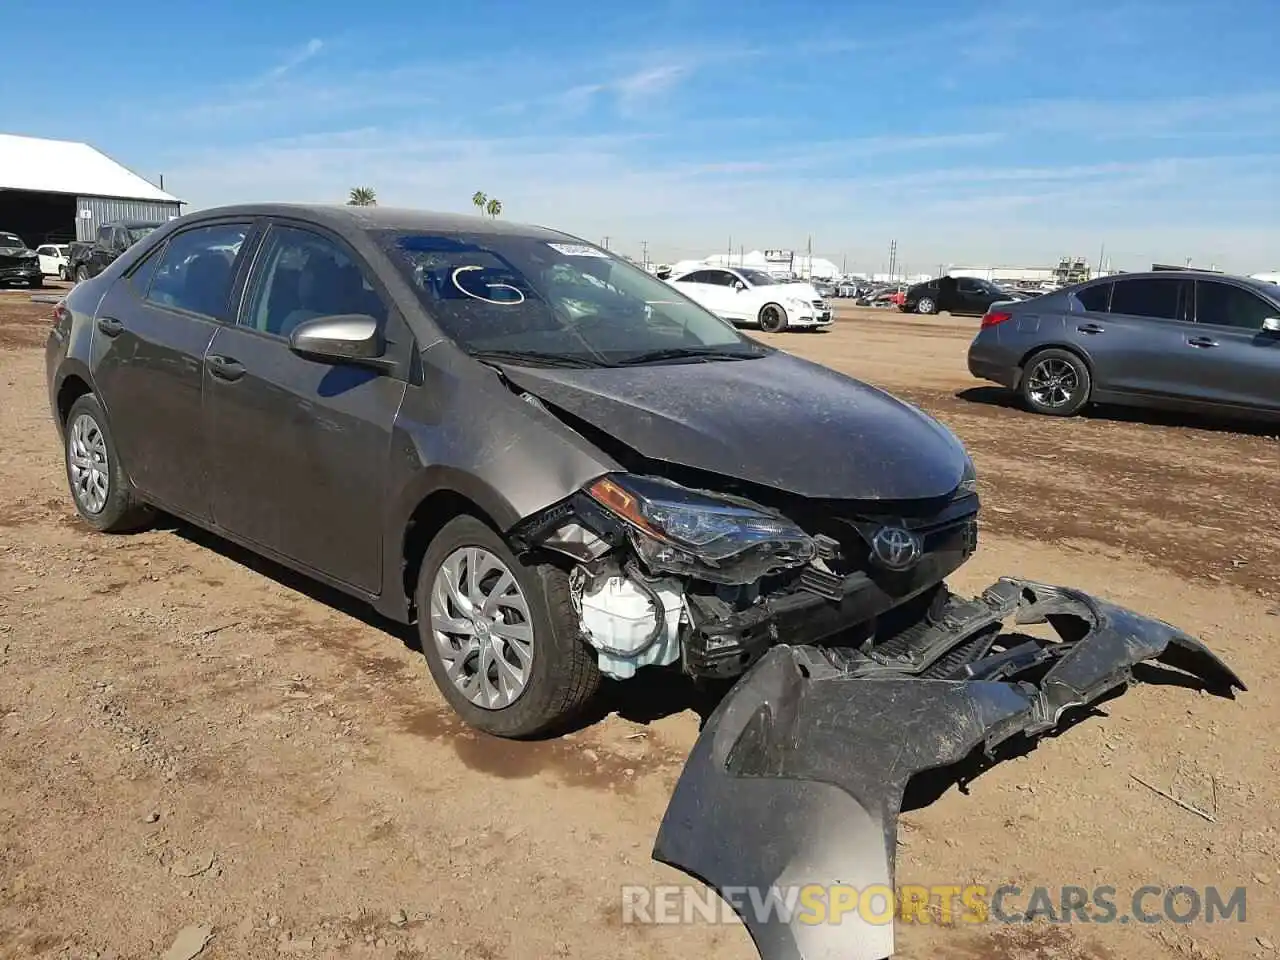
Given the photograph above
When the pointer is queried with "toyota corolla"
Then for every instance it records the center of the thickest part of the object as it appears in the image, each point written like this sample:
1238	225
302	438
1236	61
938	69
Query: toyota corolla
561	468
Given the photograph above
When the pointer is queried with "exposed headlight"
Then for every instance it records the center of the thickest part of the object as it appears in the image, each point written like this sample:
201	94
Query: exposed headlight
798	303
678	530
968	480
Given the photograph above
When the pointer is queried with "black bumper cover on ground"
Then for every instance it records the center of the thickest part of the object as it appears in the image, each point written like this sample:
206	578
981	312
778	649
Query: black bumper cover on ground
798	776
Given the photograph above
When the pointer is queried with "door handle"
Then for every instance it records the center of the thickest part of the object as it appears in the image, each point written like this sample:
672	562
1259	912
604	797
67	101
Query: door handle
110	327
1202	342
224	368
1090	328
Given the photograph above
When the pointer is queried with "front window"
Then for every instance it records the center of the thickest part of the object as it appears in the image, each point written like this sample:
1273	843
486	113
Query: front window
137	233
757	278
11	240
525	296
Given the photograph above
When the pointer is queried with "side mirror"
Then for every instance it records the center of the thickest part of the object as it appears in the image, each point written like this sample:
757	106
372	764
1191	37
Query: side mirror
739	285
1271	324
343	338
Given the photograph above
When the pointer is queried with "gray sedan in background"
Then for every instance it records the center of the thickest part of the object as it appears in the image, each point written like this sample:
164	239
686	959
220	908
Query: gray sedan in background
1182	340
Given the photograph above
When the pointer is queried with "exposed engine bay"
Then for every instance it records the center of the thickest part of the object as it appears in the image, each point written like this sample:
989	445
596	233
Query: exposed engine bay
668	573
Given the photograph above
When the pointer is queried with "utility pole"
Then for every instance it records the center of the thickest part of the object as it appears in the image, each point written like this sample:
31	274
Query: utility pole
606	242
1101	254
893	259
644	254
808	268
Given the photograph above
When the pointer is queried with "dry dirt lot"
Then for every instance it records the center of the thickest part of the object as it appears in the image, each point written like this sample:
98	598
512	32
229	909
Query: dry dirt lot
189	737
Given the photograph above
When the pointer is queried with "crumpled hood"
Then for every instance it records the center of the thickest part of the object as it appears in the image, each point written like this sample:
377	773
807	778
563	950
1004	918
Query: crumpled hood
778	421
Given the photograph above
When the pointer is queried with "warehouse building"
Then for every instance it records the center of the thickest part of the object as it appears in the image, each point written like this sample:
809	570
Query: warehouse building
54	191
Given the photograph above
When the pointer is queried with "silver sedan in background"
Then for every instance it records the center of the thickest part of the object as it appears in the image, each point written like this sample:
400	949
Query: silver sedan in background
1181	340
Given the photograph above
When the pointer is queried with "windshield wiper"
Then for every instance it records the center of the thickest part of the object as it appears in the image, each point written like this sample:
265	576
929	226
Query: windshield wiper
535	358
686	353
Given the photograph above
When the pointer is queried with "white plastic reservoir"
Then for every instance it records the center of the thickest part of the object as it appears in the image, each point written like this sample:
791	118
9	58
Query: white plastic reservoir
619	616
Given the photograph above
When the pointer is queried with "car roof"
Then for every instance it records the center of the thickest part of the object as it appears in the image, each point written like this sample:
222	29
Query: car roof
345	218
1260	285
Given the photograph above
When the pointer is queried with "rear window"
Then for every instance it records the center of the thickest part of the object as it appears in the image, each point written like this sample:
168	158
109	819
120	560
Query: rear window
1095	299
1156	297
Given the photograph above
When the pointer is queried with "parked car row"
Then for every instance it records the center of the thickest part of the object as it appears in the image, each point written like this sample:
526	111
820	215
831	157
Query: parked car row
68	261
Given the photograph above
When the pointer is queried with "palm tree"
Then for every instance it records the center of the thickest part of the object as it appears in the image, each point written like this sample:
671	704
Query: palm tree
362	197
479	200
493	207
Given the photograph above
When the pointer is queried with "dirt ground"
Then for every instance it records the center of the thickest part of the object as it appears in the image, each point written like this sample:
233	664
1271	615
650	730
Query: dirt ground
193	738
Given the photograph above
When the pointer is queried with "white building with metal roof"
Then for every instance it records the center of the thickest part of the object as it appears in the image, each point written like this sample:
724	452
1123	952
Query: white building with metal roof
52	191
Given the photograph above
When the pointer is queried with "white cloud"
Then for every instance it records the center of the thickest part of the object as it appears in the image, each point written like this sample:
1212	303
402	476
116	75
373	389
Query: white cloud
1251	113
296	59
1213	209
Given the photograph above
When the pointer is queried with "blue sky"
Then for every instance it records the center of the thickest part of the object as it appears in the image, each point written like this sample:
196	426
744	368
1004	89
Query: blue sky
1010	132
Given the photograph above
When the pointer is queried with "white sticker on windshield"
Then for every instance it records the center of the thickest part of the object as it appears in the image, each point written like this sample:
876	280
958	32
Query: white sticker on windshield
577	250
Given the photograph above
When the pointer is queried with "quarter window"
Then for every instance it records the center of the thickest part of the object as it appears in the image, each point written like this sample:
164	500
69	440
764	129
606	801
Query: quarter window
1156	297
1225	305
196	271
303	276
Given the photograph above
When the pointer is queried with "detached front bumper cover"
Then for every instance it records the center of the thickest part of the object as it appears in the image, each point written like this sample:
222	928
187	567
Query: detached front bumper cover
798	777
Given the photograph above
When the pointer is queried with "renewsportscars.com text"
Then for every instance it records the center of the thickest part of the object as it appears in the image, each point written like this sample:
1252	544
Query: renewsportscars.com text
946	904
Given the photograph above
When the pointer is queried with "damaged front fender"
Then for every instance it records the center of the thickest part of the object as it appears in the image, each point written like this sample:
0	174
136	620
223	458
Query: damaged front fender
798	777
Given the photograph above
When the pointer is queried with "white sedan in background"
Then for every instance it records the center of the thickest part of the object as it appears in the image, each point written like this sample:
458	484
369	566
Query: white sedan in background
743	295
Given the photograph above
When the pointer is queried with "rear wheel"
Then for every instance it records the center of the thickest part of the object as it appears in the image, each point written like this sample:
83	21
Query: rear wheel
62	273
101	491
773	319
501	638
1056	382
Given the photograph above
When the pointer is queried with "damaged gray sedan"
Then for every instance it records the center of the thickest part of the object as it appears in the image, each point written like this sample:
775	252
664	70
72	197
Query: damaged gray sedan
560	468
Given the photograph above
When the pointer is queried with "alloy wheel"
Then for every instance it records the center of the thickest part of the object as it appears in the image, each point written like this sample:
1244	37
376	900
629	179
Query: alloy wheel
1053	383
89	468
482	627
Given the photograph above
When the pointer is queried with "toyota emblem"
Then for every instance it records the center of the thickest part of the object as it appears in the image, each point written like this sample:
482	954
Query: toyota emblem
896	548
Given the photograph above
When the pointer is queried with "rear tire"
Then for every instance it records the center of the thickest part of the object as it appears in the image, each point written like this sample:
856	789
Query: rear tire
1056	383
773	319
560	676
100	489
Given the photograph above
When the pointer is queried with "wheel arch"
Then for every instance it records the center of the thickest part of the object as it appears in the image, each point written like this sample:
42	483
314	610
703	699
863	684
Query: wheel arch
71	389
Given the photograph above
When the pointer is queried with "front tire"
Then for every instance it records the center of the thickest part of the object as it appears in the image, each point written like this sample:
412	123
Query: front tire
100	490
1056	383
927	305
501	638
82	274
773	319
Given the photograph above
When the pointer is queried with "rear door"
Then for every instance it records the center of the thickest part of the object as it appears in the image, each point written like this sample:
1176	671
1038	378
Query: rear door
1231	359
152	328
707	288
298	447
1138	346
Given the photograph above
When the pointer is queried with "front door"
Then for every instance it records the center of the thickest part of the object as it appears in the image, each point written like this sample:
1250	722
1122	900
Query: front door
1230	358
151	331
299	448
